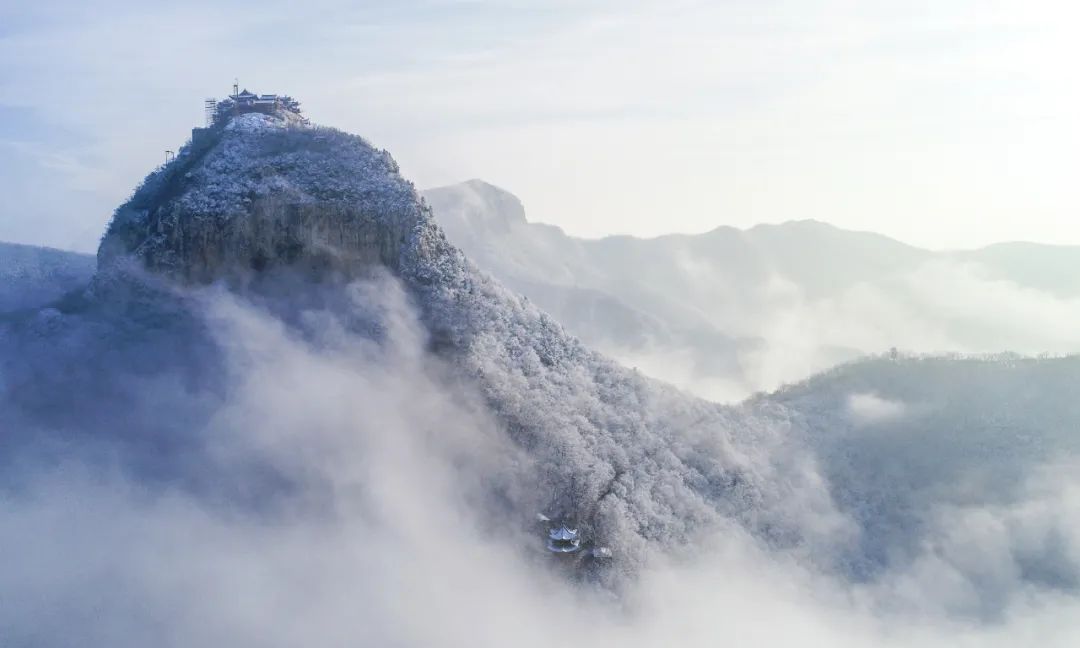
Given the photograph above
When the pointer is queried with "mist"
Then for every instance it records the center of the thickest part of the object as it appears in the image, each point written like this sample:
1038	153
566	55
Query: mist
938	307
339	484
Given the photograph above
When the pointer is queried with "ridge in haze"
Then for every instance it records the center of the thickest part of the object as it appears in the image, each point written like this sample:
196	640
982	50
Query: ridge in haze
731	312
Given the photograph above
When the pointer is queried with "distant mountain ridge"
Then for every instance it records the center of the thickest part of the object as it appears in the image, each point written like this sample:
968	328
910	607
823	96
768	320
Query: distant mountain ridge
474	210
733	304
33	276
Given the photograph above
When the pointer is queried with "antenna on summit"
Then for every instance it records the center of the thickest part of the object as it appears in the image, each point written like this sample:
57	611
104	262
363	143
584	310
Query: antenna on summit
236	87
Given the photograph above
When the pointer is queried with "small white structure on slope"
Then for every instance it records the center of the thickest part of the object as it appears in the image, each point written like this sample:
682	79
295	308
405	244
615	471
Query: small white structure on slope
563	540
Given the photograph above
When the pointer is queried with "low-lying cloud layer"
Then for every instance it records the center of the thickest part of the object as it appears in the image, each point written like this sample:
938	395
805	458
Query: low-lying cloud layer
345	490
938	307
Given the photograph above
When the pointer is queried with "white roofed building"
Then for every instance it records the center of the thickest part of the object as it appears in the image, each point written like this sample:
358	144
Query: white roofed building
563	540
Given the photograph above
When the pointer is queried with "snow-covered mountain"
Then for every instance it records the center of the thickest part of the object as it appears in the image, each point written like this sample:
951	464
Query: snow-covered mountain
281	213
286	380
732	311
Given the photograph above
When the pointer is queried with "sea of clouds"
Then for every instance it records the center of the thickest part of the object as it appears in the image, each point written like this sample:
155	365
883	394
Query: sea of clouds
940	306
342	488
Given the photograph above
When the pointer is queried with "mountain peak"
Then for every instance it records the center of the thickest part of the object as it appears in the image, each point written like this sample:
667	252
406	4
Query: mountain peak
475	203
261	190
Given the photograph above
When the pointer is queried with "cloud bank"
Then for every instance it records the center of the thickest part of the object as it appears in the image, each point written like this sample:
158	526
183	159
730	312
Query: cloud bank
347	490
938	307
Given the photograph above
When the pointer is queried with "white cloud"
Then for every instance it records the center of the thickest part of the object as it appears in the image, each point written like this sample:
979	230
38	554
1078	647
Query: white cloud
385	534
938	307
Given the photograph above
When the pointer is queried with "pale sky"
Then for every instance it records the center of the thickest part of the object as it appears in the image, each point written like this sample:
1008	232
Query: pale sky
944	123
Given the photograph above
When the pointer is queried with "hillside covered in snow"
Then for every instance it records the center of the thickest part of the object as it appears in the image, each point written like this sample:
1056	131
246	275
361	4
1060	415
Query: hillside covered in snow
33	276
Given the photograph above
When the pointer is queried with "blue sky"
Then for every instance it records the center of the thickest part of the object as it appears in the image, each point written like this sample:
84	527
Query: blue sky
945	124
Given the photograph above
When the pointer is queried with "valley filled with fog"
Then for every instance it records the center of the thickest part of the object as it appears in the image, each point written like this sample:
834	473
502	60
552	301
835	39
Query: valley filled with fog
262	476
